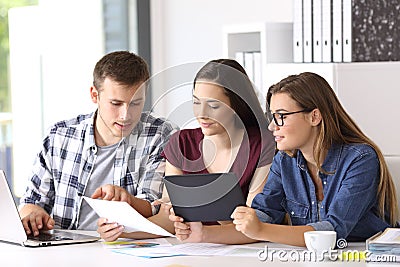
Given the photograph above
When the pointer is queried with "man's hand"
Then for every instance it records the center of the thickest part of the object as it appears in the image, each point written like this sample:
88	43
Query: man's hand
113	192
109	231
35	218
117	193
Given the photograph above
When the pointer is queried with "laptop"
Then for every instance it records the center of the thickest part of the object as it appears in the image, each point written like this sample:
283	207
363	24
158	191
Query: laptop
204	197
12	230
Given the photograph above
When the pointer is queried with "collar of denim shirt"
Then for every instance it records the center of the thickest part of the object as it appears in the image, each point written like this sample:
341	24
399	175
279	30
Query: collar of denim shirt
331	161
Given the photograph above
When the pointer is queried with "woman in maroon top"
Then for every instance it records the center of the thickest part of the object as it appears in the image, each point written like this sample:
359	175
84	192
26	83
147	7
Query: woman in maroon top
233	137
188	159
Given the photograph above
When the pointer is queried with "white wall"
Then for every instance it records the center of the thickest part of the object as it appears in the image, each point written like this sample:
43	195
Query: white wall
188	31
73	41
191	30
25	72
53	49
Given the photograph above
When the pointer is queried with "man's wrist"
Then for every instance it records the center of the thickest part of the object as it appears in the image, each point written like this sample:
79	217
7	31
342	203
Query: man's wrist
132	201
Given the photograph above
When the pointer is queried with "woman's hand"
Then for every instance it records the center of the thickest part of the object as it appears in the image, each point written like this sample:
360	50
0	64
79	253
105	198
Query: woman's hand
247	222
165	207
190	232
109	231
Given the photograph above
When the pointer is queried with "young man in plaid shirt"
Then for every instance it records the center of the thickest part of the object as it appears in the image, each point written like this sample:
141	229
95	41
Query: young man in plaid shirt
112	153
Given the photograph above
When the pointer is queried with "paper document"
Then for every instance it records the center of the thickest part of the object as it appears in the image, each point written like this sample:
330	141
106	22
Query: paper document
210	249
389	236
124	214
192	249
122	243
384	247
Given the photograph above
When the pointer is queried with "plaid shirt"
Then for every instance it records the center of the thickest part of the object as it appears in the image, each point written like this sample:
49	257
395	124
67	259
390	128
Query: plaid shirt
63	166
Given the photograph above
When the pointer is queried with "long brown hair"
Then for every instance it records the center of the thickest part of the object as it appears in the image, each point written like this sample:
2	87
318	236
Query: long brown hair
230	75
311	91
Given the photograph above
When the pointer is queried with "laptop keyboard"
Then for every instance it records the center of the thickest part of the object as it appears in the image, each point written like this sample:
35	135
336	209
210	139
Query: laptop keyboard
48	237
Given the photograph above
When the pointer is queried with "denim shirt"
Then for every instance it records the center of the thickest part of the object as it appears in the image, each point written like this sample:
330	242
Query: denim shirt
349	206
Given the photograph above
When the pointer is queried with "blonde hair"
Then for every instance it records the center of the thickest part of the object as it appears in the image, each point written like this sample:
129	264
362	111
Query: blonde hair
311	91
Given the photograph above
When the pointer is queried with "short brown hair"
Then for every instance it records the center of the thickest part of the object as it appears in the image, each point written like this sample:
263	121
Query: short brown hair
121	66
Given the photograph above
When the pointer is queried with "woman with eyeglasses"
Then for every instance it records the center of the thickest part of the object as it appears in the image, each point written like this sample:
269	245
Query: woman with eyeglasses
327	175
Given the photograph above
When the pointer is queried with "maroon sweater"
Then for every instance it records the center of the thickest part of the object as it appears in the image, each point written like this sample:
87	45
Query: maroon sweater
184	151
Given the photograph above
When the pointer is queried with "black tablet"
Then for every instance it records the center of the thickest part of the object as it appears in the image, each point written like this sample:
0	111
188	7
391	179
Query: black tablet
204	197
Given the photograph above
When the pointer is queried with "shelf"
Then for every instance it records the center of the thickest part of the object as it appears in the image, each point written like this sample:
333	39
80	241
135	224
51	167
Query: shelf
368	91
255	45
273	40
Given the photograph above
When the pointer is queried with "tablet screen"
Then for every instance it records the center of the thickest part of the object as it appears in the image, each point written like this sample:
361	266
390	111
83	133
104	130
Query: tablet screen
204	197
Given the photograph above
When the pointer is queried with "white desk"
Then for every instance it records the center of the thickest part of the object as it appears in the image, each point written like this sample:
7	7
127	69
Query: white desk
93	254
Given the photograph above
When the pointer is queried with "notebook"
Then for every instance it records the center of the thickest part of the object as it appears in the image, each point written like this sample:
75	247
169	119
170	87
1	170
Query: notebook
204	197
12	230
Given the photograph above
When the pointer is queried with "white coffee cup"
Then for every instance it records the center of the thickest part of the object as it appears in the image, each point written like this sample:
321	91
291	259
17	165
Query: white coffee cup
320	241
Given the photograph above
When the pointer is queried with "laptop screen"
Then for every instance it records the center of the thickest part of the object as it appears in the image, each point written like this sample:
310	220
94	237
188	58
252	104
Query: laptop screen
12	230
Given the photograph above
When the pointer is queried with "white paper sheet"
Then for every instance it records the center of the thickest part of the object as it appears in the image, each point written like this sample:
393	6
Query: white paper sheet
191	249
124	214
389	236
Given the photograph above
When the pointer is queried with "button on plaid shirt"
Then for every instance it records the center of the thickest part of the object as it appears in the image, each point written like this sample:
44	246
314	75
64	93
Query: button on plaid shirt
63	166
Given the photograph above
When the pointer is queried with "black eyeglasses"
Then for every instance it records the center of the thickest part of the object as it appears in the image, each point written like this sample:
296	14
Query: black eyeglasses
278	117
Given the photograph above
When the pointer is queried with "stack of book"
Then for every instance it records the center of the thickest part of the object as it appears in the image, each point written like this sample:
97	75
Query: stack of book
346	30
251	62
384	246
